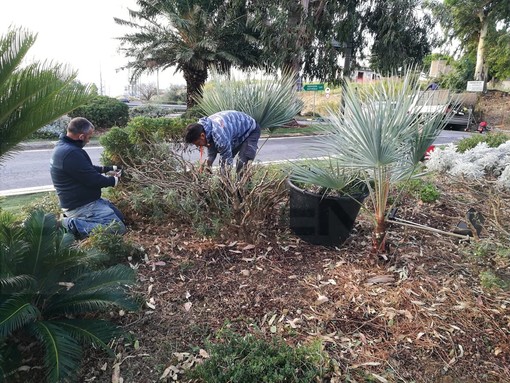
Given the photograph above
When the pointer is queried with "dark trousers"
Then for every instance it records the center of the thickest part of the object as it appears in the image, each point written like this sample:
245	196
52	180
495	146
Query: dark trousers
248	149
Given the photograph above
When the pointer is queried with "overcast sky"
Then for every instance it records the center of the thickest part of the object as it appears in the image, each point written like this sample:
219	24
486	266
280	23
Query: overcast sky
80	34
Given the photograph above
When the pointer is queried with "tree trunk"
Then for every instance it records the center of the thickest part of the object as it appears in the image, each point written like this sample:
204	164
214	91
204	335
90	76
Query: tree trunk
379	245
480	52
195	80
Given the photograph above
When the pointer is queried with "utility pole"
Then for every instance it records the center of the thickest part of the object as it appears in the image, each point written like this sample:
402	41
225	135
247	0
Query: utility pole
101	92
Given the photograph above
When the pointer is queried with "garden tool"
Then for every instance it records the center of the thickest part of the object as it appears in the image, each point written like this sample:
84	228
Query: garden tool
392	218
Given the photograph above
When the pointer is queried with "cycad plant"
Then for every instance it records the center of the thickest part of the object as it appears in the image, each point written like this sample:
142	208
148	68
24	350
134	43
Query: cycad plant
377	136
271	100
31	95
47	286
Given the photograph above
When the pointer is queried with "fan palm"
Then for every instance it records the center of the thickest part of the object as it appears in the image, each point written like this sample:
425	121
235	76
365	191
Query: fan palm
376	135
272	101
33	95
192	36
47	285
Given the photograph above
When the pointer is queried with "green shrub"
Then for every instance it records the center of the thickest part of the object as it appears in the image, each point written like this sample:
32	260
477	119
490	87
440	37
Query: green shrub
237	359
104	112
493	140
129	144
429	192
489	280
116	248
146	129
424	190
116	145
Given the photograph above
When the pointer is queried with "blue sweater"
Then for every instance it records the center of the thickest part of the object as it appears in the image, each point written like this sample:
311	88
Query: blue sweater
76	180
225	131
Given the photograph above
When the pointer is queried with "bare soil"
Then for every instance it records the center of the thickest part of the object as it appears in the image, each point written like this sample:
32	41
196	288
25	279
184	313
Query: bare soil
494	108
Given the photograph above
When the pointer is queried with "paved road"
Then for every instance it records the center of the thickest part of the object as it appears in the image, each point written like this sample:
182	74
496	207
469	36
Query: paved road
30	168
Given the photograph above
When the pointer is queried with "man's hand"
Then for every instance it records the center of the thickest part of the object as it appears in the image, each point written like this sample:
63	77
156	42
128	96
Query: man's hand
117	174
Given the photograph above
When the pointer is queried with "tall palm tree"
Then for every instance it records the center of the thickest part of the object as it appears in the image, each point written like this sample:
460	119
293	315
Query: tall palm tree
49	288
190	35
31	95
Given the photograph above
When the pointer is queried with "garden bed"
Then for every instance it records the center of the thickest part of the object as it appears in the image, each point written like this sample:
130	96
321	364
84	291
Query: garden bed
432	312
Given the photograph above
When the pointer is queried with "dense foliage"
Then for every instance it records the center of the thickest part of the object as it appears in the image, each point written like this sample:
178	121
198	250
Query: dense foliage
402	35
104	112
234	358
48	286
480	26
307	37
126	145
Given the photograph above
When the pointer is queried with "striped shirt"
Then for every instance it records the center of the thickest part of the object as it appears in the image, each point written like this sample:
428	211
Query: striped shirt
225	131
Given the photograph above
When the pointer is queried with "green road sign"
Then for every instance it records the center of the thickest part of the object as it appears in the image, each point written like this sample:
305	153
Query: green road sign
314	87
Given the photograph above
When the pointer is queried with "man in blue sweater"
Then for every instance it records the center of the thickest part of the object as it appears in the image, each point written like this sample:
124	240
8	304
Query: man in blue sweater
78	183
226	133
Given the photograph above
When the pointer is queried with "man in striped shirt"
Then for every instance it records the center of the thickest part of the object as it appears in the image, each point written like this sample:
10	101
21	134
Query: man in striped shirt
227	133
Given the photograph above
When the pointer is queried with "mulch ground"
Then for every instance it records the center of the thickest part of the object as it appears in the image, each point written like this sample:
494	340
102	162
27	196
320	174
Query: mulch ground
421	315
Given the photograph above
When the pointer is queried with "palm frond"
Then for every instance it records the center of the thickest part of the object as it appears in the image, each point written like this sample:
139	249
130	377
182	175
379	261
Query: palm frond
62	353
94	332
32	96
271	101
16	312
327	174
15	283
96	291
40	231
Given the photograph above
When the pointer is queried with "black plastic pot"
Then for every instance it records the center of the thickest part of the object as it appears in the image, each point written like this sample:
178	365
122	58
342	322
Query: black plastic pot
319	220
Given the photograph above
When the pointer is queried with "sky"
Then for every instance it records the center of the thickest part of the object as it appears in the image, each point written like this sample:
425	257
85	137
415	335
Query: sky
82	35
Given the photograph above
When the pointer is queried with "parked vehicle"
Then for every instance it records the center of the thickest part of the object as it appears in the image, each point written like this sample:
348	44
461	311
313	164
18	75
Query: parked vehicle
441	101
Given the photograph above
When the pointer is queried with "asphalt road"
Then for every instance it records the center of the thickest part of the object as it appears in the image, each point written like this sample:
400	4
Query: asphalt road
29	169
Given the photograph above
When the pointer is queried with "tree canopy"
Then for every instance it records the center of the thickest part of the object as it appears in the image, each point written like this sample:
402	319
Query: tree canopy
190	35
475	24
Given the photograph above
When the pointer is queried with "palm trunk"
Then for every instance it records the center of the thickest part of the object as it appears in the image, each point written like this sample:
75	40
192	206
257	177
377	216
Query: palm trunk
195	80
379	239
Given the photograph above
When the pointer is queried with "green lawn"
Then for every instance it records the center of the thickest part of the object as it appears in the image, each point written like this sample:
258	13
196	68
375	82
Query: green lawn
15	203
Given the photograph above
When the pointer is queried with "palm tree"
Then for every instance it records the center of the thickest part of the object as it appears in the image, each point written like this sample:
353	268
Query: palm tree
382	134
192	36
32	95
47	286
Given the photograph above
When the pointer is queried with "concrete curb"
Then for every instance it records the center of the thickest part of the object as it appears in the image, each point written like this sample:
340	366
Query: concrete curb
31	190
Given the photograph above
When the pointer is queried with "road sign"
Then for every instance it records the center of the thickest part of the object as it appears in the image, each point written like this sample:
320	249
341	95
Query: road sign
313	87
